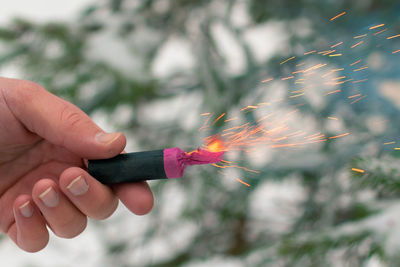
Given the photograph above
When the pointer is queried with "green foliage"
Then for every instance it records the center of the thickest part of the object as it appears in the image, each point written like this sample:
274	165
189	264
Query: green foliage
318	246
381	174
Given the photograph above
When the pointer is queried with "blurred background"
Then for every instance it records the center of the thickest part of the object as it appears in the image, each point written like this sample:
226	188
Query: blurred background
150	68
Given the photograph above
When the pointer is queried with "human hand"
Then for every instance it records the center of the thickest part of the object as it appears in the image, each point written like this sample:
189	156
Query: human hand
43	179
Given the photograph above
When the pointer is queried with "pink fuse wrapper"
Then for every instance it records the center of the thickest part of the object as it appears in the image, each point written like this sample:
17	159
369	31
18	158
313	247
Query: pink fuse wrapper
176	160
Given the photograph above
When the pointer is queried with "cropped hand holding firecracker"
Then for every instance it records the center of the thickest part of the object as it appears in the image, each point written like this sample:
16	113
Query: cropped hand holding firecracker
44	141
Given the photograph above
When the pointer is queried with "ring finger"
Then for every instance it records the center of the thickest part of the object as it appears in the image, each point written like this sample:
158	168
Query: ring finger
64	219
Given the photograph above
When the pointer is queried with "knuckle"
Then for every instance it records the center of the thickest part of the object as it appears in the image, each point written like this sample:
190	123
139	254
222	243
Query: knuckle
70	117
71	227
105	209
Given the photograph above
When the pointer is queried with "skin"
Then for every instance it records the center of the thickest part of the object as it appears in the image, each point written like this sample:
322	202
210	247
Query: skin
44	141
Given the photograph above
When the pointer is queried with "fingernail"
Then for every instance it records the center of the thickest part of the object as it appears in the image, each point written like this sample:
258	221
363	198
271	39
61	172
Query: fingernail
26	209
49	197
106	138
78	186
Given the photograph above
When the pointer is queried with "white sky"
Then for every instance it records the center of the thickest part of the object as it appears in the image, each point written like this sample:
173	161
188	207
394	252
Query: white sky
41	10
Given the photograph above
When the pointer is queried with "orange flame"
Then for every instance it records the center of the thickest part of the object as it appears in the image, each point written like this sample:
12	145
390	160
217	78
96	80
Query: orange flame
215	144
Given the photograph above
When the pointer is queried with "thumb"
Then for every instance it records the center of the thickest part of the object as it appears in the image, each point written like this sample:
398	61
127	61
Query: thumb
60	122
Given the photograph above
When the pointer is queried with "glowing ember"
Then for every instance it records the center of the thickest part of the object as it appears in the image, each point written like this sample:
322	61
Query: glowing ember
358	61
215	144
376	26
360	36
394	36
337	16
217	119
283	62
338	136
382	31
357	44
267	80
358	170
358	99
389	143
240	181
336	44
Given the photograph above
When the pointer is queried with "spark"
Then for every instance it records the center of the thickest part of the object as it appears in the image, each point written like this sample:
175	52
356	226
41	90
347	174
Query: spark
335	55
357	44
301	64
315	67
265	117
333	118
336	44
360	81
376	26
396	148
293	96
283	62
360	36
394	36
220	172
298	71
353	96
389	143
321	136
246	184
298	105
362	68
232	119
248	107
234	166
205	123
394	52
337	16
217	119
382	31
267	80
263	104
283	145
332	71
287	78
297	91
307	137
338	83
339	78
310	52
358	170
354	63
358	99
338	136
327	52
333	92
205	114
336	70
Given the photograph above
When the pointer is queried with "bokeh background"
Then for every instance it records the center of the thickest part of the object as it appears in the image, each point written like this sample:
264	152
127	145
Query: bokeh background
150	68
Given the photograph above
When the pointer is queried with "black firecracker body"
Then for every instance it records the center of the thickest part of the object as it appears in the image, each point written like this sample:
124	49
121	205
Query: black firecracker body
129	167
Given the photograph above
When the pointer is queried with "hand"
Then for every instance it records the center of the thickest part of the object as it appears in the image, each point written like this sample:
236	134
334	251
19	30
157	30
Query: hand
43	143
